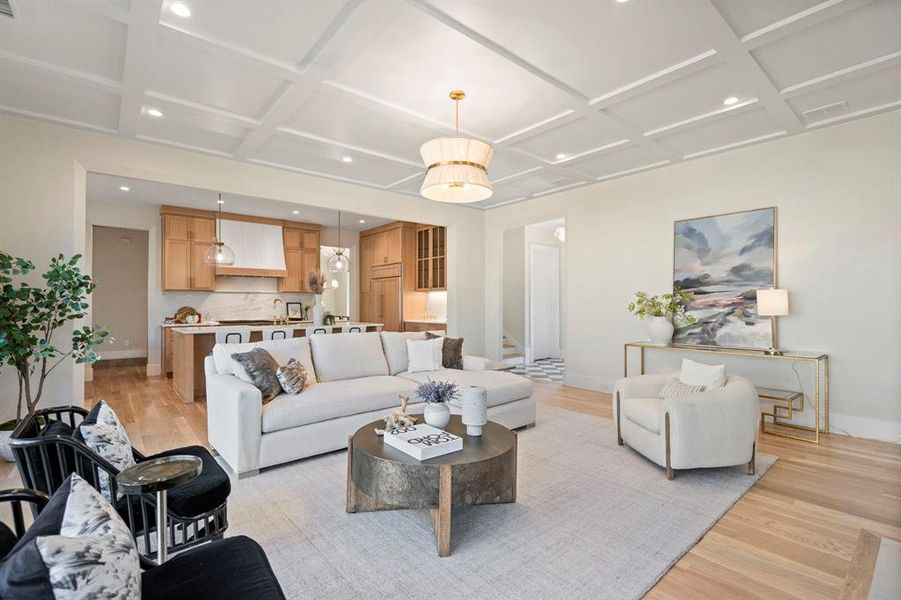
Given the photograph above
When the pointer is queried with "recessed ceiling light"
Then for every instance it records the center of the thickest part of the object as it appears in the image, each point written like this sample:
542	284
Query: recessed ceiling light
362	220
347	159
561	156
180	9
295	212
124	188
621	1
155	112
730	100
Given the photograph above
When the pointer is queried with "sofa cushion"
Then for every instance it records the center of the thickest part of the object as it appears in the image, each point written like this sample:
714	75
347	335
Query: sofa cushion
395	346
451	350
258	368
207	491
501	386
281	350
644	411
339	356
335	399
235	567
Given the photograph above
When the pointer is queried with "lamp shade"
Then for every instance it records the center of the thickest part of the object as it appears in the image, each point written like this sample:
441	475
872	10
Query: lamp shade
772	303
457	170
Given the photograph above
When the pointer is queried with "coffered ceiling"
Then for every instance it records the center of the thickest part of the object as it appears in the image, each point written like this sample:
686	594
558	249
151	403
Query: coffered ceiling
568	92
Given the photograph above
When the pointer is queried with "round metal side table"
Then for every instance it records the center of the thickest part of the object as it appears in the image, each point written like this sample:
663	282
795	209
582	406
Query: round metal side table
158	476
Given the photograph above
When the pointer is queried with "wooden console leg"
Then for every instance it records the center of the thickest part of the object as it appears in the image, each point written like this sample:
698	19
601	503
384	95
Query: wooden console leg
752	466
441	516
669	464
619	435
351	488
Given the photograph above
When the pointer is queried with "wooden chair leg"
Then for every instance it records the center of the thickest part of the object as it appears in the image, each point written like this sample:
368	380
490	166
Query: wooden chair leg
619	435
752	465
669	465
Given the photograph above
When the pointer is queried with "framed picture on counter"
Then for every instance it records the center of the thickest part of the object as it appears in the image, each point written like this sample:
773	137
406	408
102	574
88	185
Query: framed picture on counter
295	310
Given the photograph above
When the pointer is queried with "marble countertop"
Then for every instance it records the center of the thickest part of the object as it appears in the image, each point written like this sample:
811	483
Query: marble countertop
427	321
201	324
197	330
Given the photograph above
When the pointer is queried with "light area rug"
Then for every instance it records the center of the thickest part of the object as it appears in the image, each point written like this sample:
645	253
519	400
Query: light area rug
592	520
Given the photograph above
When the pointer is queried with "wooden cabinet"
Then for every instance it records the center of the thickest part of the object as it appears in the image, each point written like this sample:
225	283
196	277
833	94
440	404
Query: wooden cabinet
431	258
386	302
185	241
301	256
425	326
387	246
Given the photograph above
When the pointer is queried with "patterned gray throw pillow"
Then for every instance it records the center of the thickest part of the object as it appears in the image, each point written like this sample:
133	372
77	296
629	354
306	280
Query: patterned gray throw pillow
677	389
259	369
292	377
451	351
94	555
108	438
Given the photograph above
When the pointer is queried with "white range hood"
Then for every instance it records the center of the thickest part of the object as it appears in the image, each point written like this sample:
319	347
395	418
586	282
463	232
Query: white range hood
259	249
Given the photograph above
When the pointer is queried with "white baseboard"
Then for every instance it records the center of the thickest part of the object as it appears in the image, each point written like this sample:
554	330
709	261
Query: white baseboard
588	382
117	354
154	370
863	427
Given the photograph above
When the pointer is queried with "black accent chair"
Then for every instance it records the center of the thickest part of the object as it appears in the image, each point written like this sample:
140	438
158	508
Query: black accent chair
220	570
48	449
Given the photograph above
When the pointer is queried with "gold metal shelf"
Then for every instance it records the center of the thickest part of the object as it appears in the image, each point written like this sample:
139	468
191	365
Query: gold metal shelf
781	412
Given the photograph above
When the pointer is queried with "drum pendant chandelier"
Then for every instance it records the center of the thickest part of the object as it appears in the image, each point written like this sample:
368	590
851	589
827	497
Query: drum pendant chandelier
456	167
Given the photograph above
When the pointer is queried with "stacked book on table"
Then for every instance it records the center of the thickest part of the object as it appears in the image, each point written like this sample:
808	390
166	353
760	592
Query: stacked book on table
423	442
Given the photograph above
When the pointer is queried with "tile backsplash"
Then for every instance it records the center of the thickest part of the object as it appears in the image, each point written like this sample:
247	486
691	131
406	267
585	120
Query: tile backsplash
231	302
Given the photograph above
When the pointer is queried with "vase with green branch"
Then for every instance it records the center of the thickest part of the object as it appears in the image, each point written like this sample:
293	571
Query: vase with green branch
30	317
661	311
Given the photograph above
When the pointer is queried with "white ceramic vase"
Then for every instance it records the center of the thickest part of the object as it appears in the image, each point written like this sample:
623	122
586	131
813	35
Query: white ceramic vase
318	310
436	414
474	409
661	330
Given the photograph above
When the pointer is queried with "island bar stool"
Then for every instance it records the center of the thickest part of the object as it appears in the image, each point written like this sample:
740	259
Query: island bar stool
352	329
276	333
233	335
317	329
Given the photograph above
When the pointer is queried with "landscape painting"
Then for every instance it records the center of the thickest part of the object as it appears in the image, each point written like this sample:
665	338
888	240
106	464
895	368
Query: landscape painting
721	262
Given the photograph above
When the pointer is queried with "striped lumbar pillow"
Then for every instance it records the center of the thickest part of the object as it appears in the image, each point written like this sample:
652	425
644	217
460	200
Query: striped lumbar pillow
677	389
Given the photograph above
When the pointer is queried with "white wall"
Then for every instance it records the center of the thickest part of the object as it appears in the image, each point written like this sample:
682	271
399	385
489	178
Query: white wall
838	193
119	267
42	212
514	286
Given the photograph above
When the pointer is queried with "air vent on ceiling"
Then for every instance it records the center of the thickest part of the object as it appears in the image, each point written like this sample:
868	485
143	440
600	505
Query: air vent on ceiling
815	115
6	9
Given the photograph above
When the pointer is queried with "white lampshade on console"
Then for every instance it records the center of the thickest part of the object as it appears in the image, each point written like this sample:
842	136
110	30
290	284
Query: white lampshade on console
773	303
456	167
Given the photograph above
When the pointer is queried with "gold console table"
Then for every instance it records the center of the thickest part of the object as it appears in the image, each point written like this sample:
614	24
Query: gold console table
820	363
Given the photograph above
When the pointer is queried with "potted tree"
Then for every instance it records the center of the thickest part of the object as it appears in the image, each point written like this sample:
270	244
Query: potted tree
661	310
29	318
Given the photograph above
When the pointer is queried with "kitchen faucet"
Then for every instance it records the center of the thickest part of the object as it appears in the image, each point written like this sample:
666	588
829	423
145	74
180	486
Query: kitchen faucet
275	304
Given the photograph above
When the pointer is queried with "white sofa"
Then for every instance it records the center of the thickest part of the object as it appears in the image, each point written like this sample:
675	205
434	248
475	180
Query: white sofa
713	428
357	379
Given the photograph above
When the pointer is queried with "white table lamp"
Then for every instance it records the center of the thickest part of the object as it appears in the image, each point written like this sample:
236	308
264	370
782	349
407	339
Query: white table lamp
773	303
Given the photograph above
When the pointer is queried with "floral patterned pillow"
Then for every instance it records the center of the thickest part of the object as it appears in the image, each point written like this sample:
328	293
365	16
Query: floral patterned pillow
93	555
108	438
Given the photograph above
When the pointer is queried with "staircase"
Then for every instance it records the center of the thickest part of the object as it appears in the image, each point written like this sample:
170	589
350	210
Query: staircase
511	354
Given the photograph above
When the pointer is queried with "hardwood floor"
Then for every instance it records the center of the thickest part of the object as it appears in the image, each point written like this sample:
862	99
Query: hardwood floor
793	535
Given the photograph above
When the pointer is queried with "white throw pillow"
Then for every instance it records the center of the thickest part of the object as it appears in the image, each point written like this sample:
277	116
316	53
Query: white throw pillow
109	439
424	355
677	389
94	555
695	373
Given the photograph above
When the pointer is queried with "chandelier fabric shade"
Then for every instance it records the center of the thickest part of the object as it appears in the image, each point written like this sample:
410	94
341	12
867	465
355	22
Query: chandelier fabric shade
457	170
456	167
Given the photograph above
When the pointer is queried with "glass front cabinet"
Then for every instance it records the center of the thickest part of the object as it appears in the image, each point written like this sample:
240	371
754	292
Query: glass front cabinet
431	258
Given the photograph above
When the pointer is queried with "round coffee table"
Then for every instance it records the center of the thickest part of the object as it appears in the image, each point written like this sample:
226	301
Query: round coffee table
380	477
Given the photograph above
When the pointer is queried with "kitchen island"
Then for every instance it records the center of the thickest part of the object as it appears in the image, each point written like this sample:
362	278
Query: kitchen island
190	345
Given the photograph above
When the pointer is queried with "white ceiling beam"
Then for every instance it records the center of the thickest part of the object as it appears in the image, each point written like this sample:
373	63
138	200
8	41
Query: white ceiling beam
298	91
38	66
870	66
713	27
799	21
707	117
140	62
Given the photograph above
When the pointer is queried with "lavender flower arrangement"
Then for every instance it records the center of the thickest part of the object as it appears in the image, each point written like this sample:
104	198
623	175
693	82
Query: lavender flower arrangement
436	392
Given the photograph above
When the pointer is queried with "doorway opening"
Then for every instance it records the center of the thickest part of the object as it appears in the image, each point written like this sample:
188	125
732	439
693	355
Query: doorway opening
533	291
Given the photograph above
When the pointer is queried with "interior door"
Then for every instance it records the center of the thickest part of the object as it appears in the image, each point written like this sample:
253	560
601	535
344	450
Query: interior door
544	301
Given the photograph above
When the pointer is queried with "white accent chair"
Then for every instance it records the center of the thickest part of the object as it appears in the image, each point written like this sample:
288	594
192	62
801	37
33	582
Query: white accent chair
713	428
